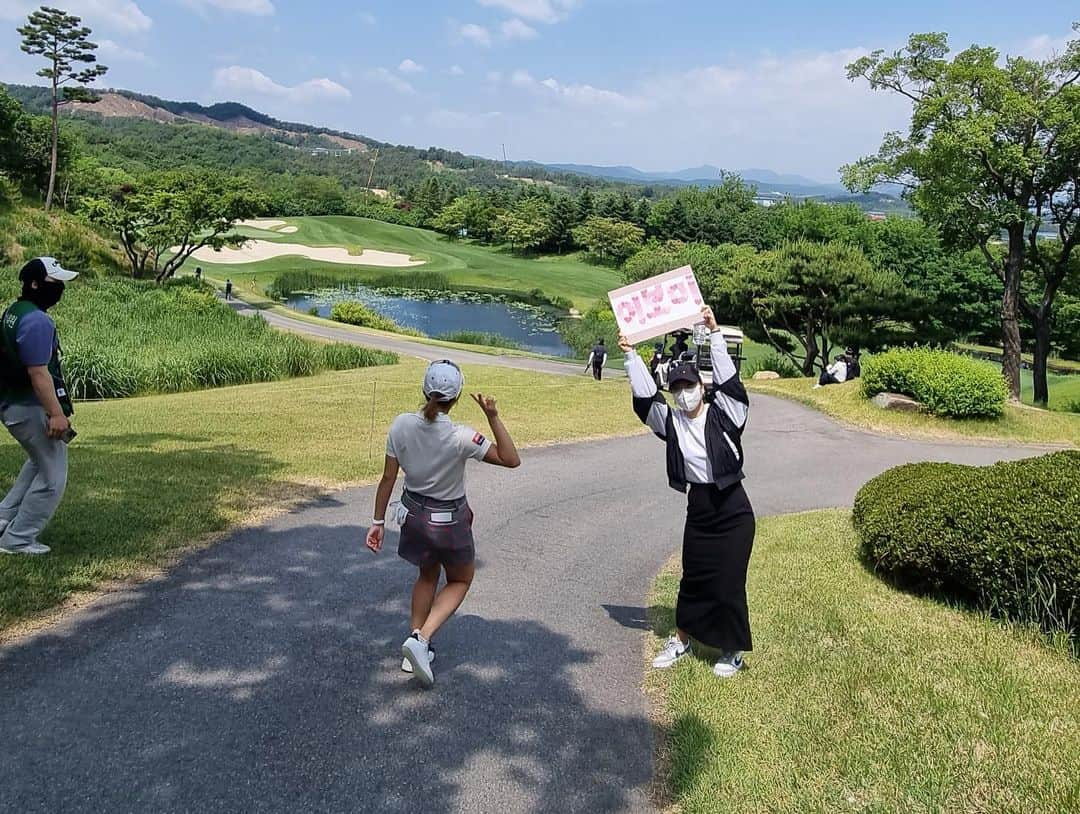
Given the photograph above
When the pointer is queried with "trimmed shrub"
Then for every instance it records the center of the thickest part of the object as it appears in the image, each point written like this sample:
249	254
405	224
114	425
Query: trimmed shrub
1004	537
947	384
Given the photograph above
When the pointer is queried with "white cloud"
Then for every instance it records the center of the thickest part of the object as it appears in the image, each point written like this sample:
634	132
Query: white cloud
256	8
1043	47
476	34
367	18
241	80
458	120
409	66
456	70
515	29
542	11
579	95
523	79
391	79
117	15
107	50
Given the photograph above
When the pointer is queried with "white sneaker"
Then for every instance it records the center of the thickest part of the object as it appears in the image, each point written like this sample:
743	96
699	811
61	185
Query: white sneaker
728	665
418	654
33	549
674	649
406	666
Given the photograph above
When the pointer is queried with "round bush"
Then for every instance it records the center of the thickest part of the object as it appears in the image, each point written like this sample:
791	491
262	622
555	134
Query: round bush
1004	537
947	384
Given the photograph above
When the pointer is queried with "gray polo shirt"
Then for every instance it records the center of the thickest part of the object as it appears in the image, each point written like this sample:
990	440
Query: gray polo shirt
433	453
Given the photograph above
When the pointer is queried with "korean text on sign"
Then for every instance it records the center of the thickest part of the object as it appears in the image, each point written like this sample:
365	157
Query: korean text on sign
656	306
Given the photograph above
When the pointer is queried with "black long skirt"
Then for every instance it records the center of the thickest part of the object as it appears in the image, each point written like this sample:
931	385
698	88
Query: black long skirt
717	541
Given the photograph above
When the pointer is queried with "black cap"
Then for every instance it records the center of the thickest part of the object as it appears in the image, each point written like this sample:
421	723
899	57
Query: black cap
686	372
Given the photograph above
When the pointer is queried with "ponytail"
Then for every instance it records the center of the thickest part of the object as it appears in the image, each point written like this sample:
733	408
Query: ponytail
431	409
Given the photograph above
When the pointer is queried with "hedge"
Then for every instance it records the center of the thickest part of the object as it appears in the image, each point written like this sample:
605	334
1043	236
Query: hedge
1004	537
947	384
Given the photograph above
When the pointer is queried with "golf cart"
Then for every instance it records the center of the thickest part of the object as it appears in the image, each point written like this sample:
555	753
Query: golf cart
692	344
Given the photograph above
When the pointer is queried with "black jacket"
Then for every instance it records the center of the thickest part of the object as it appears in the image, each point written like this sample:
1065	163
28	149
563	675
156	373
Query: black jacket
723	434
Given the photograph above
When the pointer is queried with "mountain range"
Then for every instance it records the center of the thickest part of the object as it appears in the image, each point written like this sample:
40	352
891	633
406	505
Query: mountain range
242	120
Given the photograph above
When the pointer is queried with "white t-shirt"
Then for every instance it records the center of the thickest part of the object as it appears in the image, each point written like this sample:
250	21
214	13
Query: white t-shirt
691	435
433	453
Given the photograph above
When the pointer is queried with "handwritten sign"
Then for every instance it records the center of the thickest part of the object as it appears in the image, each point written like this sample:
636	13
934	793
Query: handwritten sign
658	305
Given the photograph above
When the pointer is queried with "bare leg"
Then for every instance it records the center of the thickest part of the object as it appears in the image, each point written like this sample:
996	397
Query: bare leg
423	595
683	637
449	599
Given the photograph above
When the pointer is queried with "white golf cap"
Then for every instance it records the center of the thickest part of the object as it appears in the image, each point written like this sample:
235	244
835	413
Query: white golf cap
41	267
444	378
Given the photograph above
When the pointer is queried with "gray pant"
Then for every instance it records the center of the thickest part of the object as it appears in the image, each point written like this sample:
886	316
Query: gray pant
33	499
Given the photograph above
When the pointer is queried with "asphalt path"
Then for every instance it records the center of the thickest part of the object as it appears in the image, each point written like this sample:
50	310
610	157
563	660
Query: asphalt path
263	674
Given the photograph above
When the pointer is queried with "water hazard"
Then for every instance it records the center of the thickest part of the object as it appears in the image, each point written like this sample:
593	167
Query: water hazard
437	313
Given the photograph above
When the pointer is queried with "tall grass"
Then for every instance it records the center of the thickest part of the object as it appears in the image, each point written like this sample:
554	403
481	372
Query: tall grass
480	338
291	282
126	338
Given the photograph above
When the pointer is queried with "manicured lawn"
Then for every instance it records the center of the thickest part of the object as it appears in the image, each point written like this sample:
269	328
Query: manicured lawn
846	403
465	264
1064	390
862	698
153	475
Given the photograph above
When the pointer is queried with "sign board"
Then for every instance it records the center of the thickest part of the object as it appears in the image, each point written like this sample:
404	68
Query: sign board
653	307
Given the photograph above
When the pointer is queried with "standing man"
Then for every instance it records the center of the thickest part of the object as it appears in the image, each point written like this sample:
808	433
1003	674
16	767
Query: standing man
198	274
34	406
228	290
597	359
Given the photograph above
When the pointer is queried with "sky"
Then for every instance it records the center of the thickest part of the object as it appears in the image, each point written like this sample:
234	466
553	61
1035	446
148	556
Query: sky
656	84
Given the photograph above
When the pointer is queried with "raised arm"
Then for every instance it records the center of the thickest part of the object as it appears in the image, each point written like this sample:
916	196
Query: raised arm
503	452
730	393
649	405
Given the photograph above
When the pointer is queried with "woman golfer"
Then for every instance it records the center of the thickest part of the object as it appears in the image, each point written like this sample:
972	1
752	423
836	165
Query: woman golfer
704	451
435	518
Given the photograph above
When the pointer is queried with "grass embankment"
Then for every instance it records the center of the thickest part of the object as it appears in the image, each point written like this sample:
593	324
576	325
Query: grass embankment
465	264
862	698
156	474
846	403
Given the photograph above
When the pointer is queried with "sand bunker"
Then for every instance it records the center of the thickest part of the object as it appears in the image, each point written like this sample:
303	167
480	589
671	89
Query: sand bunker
287	230
255	251
267	224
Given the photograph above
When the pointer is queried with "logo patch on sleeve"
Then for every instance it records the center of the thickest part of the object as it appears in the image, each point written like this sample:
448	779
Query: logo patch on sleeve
478	439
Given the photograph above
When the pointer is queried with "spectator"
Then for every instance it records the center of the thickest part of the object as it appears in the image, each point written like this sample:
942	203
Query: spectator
228	290
34	406
597	359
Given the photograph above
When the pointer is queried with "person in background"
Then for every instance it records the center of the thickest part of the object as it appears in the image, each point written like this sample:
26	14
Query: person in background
836	373
597	359
34	406
435	517
198	274
703	434
228	290
680	347
854	368
657	358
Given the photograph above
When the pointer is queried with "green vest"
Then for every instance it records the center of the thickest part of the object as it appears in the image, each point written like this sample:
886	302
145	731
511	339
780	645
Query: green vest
15	387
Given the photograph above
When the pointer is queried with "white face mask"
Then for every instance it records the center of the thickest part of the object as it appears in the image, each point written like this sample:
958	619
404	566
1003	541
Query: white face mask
689	398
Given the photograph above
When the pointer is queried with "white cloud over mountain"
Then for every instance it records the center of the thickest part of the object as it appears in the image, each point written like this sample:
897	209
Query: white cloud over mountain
244	81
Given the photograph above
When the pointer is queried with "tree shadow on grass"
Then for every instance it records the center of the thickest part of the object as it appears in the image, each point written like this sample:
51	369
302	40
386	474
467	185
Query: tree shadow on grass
130	499
264	675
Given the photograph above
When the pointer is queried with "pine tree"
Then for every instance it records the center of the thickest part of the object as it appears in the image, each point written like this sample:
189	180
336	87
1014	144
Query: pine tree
59	37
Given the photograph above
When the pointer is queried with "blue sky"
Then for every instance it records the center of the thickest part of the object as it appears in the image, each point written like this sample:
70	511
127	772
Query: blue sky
655	84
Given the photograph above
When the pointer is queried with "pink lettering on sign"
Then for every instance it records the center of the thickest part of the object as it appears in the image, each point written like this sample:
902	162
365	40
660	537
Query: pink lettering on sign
663	303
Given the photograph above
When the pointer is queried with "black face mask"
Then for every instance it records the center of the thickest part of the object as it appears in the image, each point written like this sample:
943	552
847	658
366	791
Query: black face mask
46	295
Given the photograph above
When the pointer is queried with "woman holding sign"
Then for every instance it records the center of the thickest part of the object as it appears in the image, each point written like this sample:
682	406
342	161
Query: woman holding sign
704	451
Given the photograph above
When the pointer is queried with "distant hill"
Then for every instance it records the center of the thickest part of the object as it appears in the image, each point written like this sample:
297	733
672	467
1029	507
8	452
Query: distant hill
400	164
768	182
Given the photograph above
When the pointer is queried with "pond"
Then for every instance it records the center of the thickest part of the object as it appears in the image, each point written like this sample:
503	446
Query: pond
437	313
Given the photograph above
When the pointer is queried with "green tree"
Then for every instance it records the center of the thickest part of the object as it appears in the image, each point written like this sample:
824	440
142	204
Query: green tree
609	240
166	217
586	205
526	226
993	149
563	219
805	298
63	41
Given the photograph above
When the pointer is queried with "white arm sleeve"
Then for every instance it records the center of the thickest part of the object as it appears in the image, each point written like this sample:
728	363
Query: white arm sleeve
730	393
643	387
